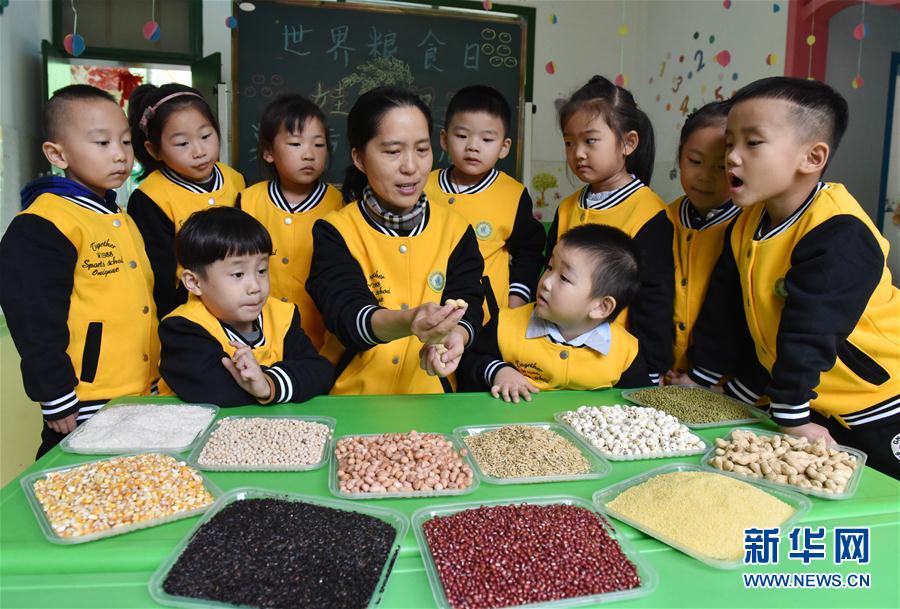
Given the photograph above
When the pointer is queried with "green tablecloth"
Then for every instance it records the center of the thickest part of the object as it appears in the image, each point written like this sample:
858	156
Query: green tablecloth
114	572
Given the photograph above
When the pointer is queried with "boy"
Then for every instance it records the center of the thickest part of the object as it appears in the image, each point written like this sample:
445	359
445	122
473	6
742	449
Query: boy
496	205
566	340
77	285
804	270
230	344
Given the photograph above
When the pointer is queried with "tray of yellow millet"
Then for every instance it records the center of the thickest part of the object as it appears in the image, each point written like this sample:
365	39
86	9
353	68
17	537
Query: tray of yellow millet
696	407
80	503
700	512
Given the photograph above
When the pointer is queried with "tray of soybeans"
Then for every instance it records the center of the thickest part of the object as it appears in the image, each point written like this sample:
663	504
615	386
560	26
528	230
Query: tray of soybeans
700	512
399	465
265	443
79	503
696	407
522	453
776	460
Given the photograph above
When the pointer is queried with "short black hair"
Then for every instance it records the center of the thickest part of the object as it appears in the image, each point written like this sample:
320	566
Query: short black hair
617	270
216	233
713	114
291	111
480	98
56	108
819	111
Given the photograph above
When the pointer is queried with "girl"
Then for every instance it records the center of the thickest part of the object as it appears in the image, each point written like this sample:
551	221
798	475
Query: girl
293	149
383	264
609	145
700	217
176	140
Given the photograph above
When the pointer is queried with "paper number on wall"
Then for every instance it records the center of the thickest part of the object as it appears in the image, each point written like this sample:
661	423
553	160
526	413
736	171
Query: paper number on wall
684	105
719	96
699	57
677	80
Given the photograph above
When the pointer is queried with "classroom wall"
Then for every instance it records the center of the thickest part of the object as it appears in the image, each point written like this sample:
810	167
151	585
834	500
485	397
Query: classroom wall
858	161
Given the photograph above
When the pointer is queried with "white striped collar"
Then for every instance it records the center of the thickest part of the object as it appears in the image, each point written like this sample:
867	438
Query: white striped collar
609	198
216	182
374	223
448	186
761	234
690	217
92	204
312	199
234	335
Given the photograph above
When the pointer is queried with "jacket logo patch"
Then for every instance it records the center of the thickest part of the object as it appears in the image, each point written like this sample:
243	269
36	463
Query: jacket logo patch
532	371
437	281
484	230
105	261
780	290
376	286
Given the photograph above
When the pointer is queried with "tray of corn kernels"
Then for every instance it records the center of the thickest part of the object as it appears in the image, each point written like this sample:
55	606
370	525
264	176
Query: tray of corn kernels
80	503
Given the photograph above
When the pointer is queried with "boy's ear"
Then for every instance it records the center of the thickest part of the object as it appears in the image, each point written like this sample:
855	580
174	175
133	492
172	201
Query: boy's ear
444	140
55	154
816	158
630	142
356	157
151	150
603	308
191	282
504	150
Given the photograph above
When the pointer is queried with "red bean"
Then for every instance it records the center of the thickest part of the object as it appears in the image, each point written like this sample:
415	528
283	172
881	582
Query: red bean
517	554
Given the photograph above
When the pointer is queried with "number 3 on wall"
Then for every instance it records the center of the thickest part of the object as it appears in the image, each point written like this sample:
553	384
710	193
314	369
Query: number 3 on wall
677	80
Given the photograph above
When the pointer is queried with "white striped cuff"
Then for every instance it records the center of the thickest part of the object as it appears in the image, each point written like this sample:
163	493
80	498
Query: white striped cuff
654	378
59	404
879	411
737	389
705	375
491	371
86	412
790	414
364	325
284	387
521	290
470	330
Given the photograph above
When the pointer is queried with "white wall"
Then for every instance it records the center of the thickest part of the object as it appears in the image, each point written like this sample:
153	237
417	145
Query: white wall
22	27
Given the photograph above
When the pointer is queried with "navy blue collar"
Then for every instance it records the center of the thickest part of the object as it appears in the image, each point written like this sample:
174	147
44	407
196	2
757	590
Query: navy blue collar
71	191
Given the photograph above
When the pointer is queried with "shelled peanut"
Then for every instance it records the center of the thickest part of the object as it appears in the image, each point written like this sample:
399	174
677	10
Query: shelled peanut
785	459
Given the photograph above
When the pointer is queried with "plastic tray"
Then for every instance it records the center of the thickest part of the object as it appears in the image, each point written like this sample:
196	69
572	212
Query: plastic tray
28	481
704	445
337	492
849	490
601	498
755	415
194	457
649	577
392	517
599	466
65	444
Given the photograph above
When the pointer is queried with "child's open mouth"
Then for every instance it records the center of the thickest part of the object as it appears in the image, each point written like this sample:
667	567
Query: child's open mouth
735	181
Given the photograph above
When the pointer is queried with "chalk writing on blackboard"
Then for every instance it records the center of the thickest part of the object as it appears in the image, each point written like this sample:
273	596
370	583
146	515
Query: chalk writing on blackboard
293	38
382	44
431	43
339	36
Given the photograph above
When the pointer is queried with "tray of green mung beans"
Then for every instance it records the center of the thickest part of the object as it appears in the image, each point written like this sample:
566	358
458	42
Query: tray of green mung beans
696	407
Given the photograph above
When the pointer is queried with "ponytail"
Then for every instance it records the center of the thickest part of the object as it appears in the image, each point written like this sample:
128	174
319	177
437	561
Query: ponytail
640	161
355	182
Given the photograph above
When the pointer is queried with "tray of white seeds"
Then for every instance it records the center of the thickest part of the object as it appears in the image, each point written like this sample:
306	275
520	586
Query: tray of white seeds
629	433
829	471
265	443
132	425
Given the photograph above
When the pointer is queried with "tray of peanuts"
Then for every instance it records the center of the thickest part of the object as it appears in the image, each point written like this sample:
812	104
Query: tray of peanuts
400	465
264	443
80	503
779	460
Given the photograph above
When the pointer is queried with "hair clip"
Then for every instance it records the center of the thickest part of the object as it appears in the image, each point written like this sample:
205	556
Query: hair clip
150	111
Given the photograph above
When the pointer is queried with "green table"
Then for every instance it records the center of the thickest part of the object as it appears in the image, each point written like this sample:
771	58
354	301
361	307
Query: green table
114	572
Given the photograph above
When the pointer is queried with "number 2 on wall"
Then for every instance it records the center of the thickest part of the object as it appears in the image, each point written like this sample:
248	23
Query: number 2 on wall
699	57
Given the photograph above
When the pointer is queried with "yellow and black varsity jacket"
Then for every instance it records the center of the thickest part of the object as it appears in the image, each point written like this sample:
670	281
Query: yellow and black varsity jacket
78	300
815	295
160	206
359	267
499	209
194	343
697	246
551	365
291	229
641	214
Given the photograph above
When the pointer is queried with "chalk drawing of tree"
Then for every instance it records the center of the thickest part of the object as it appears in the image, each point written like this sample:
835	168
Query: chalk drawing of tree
543	182
379	72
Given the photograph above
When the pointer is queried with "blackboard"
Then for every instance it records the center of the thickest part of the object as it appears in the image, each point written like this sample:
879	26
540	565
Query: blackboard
333	52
